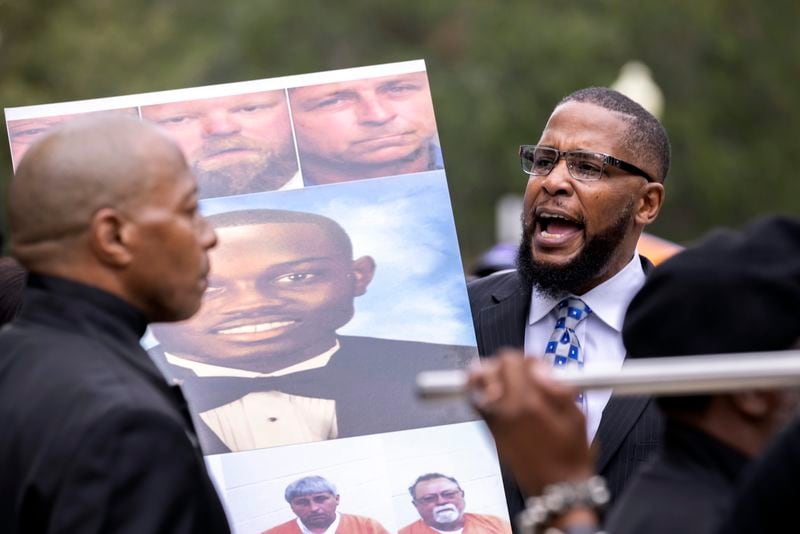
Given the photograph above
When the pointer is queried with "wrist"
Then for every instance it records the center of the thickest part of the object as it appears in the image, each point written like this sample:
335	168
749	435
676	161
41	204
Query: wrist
568	507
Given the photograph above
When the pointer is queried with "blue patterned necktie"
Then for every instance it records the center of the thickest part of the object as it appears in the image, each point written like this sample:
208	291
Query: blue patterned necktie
564	349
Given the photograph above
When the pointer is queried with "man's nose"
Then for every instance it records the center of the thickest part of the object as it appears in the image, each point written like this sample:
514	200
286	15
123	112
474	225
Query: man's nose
316	507
559	181
208	236
219	122
375	109
248	297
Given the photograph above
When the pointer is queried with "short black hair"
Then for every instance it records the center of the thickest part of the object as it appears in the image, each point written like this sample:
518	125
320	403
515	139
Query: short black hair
430	476
645	135
331	228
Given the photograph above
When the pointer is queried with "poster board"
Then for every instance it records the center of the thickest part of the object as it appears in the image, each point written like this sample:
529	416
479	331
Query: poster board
336	279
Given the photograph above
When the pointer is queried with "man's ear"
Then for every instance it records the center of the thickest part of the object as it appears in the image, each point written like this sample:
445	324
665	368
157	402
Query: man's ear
649	204
362	273
109	235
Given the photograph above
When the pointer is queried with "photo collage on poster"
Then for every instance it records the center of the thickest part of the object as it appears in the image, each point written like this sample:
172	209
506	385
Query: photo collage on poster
336	279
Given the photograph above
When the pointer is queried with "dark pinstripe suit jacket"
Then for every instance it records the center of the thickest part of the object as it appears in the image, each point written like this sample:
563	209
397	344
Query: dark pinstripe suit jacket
630	428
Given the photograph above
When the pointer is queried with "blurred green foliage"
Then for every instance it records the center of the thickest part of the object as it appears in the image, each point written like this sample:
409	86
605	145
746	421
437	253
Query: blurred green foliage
729	70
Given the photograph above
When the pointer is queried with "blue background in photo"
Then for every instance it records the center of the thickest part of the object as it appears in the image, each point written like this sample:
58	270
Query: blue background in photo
406	224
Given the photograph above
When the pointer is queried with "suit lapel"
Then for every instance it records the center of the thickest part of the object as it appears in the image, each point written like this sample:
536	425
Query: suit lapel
620	414
619	417
502	324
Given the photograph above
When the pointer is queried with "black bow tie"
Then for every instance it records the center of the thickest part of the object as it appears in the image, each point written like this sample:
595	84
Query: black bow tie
207	393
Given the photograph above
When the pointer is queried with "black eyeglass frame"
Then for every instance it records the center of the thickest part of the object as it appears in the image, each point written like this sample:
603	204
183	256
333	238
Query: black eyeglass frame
607	160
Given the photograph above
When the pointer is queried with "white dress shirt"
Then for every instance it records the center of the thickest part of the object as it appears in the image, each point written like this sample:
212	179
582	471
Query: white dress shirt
267	418
600	334
295	182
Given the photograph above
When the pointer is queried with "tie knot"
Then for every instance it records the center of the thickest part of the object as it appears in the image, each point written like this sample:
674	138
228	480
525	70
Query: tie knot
564	346
572	311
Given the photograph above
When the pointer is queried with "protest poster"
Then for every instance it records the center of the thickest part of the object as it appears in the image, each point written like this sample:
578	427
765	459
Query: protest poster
337	278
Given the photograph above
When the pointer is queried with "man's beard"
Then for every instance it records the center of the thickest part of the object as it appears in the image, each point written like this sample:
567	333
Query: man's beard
556	280
269	173
446	514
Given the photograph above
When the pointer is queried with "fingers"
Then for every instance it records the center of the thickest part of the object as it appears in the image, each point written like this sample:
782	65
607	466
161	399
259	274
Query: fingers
490	385
539	431
508	379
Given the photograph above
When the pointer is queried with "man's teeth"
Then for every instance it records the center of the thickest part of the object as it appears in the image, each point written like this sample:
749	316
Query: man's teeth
255	328
554	216
545	220
548	234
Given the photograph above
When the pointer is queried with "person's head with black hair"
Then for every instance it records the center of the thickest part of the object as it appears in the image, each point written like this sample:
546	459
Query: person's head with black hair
595	182
734	292
282	282
645	134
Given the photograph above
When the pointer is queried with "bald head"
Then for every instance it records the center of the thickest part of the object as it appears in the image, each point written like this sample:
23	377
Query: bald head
110	202
75	170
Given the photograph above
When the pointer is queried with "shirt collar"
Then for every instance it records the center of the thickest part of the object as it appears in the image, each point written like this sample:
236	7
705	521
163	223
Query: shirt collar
204	370
608	301
94	300
332	528
295	182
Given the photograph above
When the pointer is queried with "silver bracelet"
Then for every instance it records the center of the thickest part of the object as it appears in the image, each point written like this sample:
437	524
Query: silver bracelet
558	499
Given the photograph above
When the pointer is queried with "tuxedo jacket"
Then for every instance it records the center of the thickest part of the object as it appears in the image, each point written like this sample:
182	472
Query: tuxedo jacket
372	381
630	427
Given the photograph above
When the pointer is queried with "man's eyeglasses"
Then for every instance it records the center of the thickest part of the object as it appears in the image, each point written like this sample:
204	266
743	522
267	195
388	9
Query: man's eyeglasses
585	166
447	495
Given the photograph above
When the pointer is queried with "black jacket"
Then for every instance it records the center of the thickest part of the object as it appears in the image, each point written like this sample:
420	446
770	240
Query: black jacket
687	488
630	428
93	439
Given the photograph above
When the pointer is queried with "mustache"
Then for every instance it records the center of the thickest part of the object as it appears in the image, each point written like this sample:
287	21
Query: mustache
445	508
213	147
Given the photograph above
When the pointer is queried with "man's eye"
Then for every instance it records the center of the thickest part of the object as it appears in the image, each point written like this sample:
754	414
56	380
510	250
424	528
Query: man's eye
588	168
542	162
333	101
401	88
294	278
328	102
254	108
30	132
176	119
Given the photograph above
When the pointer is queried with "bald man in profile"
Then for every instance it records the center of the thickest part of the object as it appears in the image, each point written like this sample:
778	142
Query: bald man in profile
94	440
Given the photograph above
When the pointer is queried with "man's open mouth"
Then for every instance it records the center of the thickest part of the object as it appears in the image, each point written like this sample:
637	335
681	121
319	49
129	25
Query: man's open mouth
256	328
550	225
